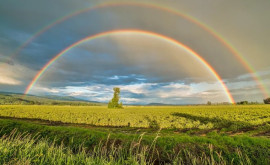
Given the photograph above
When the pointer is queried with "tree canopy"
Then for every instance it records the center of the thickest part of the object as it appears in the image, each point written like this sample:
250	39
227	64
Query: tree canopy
114	103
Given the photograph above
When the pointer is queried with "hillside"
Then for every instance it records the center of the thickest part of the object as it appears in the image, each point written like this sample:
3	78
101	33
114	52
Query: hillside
158	104
17	98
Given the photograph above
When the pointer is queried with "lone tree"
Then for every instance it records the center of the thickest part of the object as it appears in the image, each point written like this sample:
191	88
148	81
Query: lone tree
114	101
266	101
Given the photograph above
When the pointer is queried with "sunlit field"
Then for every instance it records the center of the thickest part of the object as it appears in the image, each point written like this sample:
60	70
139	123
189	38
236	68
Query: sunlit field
232	134
179	117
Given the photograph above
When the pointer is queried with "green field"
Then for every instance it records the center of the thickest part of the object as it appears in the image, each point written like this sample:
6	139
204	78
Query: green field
179	117
136	134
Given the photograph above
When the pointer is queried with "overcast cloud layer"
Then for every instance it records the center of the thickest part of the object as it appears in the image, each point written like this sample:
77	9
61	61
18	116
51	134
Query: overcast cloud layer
146	68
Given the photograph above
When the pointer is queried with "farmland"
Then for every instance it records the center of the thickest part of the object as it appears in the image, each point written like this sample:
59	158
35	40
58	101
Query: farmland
179	117
174	134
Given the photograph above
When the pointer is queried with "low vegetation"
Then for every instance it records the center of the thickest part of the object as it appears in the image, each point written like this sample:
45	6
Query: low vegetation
227	118
47	134
25	149
40	144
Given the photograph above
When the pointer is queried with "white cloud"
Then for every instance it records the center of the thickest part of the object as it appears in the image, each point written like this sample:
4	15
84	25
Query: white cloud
136	88
175	93
9	75
39	89
9	80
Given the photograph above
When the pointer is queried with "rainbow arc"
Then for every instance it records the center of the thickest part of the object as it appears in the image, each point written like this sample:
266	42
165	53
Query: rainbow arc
124	31
185	16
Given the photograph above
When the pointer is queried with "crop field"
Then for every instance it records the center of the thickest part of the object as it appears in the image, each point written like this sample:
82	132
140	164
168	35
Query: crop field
232	134
180	117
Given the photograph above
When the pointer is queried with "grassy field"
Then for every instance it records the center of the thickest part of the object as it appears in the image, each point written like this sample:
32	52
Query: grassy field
228	118
135	134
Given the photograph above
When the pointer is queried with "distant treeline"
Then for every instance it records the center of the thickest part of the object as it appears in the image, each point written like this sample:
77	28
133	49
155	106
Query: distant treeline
238	103
248	103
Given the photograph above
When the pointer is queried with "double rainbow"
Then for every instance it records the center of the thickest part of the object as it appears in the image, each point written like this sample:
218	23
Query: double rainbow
148	33
187	17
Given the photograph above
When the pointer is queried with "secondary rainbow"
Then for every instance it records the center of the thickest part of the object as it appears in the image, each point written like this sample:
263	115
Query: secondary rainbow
123	31
191	19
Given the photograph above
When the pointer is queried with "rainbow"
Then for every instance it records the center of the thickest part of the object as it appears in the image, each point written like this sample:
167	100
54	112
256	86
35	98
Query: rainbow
124	31
191	19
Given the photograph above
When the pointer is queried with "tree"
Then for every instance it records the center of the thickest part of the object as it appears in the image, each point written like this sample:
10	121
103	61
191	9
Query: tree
209	103
266	101
243	102
114	103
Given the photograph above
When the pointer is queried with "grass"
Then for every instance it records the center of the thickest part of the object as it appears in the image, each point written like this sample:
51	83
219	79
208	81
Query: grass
228	118
89	146
17	148
135	135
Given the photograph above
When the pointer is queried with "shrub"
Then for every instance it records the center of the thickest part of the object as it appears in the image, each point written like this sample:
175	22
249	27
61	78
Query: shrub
266	101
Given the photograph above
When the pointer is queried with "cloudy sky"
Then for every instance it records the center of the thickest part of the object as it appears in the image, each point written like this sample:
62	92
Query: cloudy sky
147	68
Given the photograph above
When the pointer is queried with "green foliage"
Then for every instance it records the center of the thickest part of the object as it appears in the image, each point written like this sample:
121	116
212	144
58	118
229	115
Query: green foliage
248	103
266	101
71	145
114	103
243	103
24	149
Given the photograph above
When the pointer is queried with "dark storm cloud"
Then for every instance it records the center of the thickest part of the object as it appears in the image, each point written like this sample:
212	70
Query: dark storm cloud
23	19
244	24
30	15
100	62
89	23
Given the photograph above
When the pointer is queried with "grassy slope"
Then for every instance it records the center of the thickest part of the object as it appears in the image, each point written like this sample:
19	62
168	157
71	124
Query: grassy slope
256	148
12	98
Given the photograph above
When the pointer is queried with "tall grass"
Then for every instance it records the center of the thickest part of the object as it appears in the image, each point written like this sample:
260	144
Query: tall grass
24	148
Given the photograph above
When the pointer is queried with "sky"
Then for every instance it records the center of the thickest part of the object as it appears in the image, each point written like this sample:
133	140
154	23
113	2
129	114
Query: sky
148	68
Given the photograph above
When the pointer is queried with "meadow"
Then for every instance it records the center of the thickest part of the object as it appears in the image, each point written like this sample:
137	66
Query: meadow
179	117
231	134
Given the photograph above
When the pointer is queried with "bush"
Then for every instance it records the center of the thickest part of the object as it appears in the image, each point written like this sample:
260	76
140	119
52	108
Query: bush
243	102
266	101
